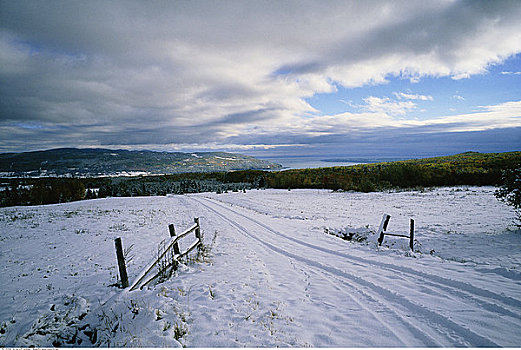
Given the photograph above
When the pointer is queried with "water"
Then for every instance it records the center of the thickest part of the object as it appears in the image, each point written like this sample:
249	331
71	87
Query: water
310	162
307	162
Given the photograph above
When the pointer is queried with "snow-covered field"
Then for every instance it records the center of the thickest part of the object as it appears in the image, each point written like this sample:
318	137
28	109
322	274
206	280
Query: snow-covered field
273	276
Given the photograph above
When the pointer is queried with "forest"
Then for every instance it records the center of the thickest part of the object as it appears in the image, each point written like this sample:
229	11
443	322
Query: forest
470	168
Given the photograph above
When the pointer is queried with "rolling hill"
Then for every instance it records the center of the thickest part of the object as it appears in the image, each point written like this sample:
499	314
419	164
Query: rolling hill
98	162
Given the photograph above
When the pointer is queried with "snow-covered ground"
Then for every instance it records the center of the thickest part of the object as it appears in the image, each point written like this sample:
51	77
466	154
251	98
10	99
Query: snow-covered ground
273	276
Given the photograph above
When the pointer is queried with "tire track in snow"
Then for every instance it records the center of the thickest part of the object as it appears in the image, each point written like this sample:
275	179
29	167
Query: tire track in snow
462	289
425	339
469	336
454	288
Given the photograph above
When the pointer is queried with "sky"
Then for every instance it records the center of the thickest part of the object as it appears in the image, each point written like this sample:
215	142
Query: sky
265	78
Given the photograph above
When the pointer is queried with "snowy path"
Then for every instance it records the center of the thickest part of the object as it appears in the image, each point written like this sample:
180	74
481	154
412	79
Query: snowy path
273	278
405	307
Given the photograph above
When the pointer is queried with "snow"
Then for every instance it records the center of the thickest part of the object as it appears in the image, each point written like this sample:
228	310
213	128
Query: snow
224	158
272	277
130	173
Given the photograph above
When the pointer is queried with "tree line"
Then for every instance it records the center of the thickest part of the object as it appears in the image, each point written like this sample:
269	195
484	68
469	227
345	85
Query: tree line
41	191
469	168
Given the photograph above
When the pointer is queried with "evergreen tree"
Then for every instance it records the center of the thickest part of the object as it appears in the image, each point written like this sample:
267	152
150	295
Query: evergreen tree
510	190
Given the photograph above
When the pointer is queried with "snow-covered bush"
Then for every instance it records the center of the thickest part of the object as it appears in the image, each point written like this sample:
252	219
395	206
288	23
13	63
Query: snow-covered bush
351	234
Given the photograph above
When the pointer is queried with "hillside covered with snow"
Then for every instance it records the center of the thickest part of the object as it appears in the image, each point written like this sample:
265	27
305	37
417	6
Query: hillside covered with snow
96	162
271	275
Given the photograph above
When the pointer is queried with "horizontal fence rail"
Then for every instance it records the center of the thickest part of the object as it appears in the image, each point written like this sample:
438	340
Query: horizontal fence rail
172	248
383	228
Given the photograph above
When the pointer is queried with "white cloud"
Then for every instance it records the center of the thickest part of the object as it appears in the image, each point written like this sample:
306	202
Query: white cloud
511	73
505	115
405	96
388	106
458	97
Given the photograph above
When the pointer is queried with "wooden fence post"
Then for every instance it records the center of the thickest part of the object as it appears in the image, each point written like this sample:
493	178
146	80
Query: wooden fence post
198	230
383	227
172	234
411	234
121	263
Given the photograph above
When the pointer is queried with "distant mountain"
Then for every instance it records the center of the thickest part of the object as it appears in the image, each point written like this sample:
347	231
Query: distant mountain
76	162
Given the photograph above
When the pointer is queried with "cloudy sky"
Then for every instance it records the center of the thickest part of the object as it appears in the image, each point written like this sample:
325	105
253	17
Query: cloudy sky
267	78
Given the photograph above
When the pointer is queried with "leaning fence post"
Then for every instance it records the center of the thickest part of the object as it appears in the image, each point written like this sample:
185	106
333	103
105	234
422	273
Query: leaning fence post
171	228
411	234
172	234
383	227
121	263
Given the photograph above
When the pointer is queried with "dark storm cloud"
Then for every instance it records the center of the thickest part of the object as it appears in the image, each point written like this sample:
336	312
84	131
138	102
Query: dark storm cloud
445	34
230	73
